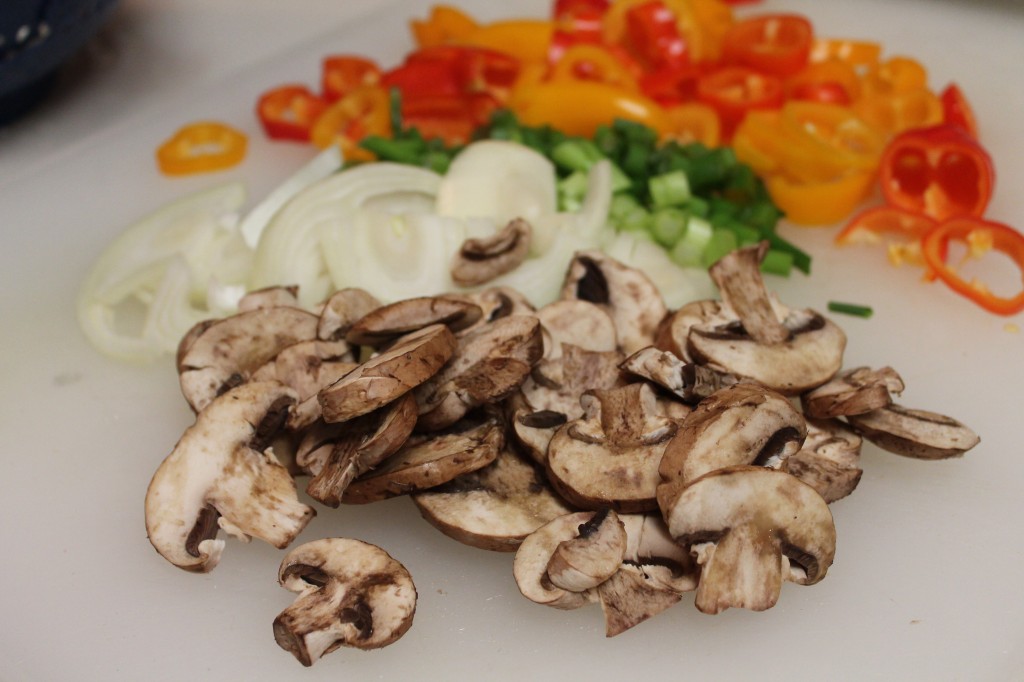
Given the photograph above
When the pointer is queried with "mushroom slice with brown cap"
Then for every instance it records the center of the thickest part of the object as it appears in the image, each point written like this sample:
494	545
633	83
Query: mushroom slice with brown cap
270	297
482	259
351	593
673	333
308	366
752	528
412	360
855	391
427	461
383	325
741	424
550	396
579	323
487	366
226	353
610	457
829	461
738	277
594	555
530	566
628	295
494	507
915	433
654	575
691	383
811	355
343	309
496	303
357	446
219	475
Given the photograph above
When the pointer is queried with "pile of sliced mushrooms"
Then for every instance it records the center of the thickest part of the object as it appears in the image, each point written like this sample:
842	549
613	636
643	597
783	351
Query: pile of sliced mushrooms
626	453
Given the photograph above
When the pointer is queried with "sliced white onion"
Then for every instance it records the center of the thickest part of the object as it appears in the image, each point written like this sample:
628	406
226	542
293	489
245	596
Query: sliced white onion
677	285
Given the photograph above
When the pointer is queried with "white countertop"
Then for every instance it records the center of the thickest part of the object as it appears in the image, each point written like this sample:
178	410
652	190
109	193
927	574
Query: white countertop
926	584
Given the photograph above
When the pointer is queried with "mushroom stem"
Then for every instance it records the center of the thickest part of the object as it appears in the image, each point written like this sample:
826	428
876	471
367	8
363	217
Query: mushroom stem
744	570
738	276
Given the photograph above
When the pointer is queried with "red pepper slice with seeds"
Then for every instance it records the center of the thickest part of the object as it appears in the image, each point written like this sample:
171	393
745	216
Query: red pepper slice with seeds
939	171
777	44
288	112
974	232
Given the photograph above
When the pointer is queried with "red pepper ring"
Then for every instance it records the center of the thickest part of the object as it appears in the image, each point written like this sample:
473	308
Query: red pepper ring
1003	238
289	111
201	147
939	171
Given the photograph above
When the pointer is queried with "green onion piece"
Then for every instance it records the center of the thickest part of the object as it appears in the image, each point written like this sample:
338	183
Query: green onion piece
691	246
850	309
669	189
667	226
697	206
571	190
622	204
395	111
636	220
745	235
576	154
801	259
408	151
722	242
777	263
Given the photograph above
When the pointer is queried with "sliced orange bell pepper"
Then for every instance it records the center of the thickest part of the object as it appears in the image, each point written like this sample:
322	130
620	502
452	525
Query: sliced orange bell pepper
445	24
853	142
693	123
702	23
579	107
831	80
201	147
364	111
895	113
857	53
819	203
593	62
525	39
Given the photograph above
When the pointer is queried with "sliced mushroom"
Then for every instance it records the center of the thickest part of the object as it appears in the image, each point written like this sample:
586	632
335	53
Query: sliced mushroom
741	424
829	461
594	555
413	359
738	277
226	353
478	261
351	593
270	297
308	366
752	528
530	567
579	323
550	396
654	575
610	457
673	333
221	475
496	303
628	295
811	355
915	433
853	392
495	507
487	366
352	448
429	461
383	325
344	308
691	383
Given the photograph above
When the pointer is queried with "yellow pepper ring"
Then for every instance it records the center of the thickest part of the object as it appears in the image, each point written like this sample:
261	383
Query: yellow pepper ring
201	147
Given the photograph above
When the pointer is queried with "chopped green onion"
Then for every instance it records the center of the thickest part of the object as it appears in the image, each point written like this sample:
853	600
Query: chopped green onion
668	226
691	246
669	189
722	242
636	220
777	263
850	309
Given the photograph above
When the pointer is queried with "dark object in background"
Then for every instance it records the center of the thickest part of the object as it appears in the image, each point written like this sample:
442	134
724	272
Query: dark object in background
36	37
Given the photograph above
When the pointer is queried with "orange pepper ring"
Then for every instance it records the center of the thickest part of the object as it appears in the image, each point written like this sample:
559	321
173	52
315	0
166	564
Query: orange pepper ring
201	147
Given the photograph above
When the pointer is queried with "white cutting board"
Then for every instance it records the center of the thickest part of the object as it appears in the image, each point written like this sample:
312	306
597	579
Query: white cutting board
927	579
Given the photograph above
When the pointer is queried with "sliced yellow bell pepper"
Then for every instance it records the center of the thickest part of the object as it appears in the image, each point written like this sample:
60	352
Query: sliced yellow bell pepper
527	40
578	107
820	203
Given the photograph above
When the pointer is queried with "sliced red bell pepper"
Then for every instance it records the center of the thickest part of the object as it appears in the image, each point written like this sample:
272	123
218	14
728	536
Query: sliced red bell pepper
870	224
580	16
956	110
671	85
653	37
451	118
200	148
473	69
1000	237
423	77
341	74
777	44
939	171
288	112
734	91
